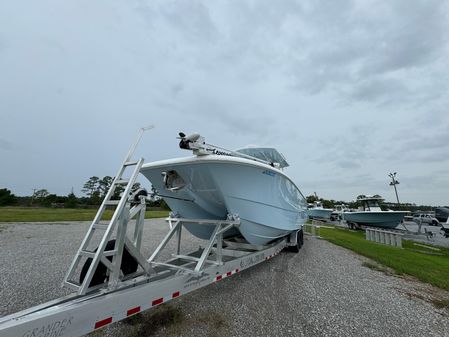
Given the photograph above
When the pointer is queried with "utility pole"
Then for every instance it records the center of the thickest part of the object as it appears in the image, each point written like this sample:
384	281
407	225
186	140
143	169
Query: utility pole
393	183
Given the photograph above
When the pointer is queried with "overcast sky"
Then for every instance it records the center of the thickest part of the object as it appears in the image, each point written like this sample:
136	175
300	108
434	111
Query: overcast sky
348	91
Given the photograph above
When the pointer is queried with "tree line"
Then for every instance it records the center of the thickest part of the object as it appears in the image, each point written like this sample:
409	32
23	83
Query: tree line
94	190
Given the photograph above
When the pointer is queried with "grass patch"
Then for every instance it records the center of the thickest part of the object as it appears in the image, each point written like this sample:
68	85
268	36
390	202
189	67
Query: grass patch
377	267
29	214
441	303
170	321
147	325
427	268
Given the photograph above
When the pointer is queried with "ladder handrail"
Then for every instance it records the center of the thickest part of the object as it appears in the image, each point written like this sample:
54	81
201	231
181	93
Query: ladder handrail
137	141
96	259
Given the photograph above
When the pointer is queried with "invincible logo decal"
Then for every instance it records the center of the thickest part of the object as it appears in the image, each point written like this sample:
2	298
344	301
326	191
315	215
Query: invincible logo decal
220	153
269	173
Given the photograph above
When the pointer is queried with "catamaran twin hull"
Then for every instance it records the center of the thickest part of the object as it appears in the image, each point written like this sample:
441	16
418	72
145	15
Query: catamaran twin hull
267	202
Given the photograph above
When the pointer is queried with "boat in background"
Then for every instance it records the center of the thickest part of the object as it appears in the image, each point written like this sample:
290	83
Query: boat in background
370	214
216	183
338	212
317	211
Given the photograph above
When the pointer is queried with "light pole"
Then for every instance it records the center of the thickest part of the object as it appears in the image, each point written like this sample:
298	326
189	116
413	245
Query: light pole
393	183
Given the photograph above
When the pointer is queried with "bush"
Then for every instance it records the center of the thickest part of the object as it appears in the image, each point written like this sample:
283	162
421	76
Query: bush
6	197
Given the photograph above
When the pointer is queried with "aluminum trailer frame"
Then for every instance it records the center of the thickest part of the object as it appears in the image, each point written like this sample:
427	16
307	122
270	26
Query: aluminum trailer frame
76	315
122	294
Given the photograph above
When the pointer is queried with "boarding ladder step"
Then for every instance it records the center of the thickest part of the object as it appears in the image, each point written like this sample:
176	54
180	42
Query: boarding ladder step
122	182
100	226
117	226
111	202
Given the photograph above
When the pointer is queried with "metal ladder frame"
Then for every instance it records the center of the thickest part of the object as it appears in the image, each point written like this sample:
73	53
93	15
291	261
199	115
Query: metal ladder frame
120	219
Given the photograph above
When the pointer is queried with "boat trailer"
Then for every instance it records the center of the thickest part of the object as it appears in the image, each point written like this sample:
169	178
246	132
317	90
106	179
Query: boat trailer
111	278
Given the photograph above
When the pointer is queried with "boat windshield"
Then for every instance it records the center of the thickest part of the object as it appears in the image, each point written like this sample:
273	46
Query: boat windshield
371	203
268	154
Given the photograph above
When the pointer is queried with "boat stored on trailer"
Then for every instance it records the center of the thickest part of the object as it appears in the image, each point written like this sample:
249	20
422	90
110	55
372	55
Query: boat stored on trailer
215	182
114	280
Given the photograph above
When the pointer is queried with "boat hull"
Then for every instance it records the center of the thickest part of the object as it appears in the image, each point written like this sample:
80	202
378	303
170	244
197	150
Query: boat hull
319	213
382	219
267	202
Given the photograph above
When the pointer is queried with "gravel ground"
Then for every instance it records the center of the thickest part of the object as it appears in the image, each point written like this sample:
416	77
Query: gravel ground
324	290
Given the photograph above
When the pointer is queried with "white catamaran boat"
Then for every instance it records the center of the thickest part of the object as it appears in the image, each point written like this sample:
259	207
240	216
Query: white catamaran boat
215	183
317	211
371	214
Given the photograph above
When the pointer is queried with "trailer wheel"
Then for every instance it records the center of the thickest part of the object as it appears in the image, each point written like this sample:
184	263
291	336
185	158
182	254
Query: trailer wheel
299	242
128	266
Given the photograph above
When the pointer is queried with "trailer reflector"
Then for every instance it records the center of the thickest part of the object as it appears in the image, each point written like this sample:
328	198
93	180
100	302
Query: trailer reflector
218	278
175	294
229	273
158	301
103	322
133	311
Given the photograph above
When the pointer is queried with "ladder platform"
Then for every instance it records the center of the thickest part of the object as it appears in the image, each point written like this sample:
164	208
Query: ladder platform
130	163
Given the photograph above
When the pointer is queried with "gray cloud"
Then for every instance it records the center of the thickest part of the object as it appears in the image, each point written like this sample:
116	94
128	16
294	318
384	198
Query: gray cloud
5	145
347	90
351	149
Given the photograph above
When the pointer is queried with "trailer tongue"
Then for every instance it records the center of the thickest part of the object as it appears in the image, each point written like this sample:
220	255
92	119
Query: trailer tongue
113	280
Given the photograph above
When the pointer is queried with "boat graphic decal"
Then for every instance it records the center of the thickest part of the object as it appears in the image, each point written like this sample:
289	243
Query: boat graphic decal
221	153
269	173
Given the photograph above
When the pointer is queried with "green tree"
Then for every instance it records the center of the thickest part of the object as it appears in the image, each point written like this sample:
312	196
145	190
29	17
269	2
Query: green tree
311	199
104	185
91	186
119	189
6	197
41	194
71	201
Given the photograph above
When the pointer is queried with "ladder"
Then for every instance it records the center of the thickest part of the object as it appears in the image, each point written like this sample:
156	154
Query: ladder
109	254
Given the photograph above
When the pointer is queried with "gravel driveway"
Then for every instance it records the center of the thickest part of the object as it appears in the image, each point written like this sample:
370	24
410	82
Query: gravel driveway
324	290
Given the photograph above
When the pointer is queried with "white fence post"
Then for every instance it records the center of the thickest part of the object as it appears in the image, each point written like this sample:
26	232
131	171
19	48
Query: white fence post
384	237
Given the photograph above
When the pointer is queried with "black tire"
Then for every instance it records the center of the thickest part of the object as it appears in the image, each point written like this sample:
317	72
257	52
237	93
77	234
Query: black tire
128	266
299	242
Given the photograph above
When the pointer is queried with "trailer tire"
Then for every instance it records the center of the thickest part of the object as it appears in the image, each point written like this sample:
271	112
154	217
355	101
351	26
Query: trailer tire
129	265
299	242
